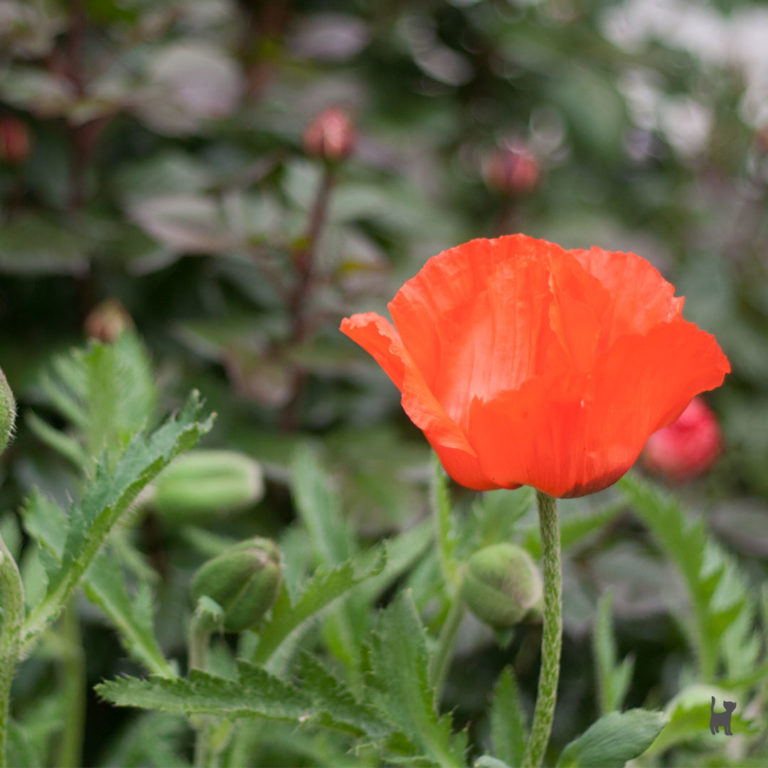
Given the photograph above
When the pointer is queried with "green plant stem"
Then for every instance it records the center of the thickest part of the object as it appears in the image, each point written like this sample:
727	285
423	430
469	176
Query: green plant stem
11	619
74	683
199	637
441	659
552	635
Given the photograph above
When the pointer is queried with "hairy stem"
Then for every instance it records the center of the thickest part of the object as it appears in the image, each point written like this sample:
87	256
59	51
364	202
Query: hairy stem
551	639
73	684
441	659
11	619
199	637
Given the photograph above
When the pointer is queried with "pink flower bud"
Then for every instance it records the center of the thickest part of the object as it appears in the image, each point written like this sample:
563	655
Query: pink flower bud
107	321
331	135
14	140
687	447
513	170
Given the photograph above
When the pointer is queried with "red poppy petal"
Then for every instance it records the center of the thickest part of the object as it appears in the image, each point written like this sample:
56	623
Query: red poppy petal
475	320
377	336
640	296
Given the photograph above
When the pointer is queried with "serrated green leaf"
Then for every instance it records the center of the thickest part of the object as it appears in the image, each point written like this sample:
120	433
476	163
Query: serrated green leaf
288	621
108	495
613	678
722	607
106	391
613	740
105	586
254	693
508	730
331	697
402	692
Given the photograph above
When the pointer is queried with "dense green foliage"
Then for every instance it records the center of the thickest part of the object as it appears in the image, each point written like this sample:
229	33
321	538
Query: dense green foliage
164	229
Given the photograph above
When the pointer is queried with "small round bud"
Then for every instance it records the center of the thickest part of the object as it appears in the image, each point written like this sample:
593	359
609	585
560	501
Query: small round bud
7	412
688	446
513	170
244	581
14	140
501	584
107	321
331	135
206	483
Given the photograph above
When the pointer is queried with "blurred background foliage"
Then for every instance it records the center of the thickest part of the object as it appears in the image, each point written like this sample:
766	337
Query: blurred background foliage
153	156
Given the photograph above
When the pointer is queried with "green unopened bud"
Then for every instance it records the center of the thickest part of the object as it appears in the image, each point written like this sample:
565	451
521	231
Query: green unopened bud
205	483
501	584
244	581
7	412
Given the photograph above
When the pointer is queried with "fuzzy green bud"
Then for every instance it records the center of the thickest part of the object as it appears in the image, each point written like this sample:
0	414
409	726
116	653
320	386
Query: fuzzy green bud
501	584
7	412
206	483
244	581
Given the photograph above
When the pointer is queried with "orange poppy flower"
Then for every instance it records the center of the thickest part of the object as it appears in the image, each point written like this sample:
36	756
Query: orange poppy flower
527	364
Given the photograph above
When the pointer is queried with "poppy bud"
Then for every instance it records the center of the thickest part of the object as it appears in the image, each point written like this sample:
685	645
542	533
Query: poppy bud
513	170
331	135
244	580
688	446
107	321
501	584
14	141
7	412
202	483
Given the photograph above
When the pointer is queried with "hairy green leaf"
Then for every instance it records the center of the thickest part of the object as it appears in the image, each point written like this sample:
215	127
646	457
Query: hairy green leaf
107	497
613	740
723	611
508	731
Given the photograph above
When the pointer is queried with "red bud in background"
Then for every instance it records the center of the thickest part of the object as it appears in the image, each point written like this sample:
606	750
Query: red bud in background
14	140
107	321
513	170
687	447
331	135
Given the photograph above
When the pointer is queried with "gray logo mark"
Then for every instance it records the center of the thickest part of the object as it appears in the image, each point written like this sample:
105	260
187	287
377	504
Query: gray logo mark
717	719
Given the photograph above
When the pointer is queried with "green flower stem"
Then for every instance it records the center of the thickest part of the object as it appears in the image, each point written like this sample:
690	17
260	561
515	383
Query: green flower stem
199	637
441	659
552	635
73	685
11	619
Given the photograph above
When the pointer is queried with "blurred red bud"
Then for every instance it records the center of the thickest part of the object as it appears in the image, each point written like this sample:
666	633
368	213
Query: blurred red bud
687	447
513	170
331	135
107	320
14	140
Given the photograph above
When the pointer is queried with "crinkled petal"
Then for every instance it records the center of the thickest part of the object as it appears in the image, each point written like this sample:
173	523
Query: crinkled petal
377	336
475	318
640	297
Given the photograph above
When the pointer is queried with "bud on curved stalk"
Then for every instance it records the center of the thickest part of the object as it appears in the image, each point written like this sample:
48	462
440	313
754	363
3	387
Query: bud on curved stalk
501	584
207	483
7	412
244	580
331	135
513	170
107	321
14	141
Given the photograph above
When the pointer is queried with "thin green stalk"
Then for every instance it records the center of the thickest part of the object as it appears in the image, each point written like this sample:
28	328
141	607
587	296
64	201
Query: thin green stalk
11	619
199	637
441	659
441	515
552	635
74	684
